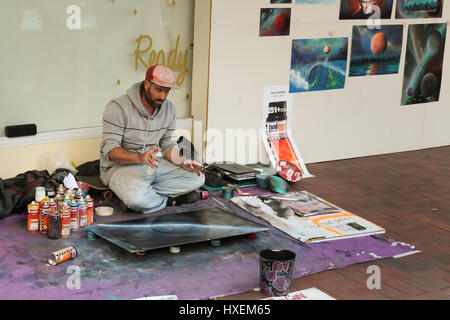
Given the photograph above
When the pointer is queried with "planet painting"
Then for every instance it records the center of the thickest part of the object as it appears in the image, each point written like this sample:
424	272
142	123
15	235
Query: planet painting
318	64
408	9
274	22
376	51
423	63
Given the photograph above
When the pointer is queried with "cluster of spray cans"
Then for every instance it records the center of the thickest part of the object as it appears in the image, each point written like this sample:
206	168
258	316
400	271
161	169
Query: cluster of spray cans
60	213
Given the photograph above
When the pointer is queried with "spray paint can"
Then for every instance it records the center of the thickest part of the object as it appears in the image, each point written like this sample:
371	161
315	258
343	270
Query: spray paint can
62	255
74	216
61	190
78	195
151	171
51	193
61	202
44	210
54	224
33	217
58	198
68	198
83	213
40	194
90	210
65	221
53	205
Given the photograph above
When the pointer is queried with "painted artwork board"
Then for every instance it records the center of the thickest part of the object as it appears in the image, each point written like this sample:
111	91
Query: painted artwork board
365	9
423	63
274	22
318	64
375	51
416	9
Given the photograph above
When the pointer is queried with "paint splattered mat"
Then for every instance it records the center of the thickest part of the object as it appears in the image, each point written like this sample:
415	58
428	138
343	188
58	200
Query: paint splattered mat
105	271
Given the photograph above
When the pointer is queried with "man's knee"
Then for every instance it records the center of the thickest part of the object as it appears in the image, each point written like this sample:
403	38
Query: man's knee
195	181
199	180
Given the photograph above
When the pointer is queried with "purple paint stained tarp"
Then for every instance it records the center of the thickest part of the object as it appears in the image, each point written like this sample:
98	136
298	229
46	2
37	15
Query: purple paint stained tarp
198	272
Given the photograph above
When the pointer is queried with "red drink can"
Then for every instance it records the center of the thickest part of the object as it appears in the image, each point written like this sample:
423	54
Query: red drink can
33	217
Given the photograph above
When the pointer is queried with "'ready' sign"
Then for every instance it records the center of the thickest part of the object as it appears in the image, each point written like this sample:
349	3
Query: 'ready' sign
175	59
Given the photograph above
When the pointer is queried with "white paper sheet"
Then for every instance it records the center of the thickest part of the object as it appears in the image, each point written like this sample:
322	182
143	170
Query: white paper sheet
70	182
307	294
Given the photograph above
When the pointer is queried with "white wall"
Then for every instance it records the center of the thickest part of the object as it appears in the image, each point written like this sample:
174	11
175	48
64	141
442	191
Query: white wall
364	118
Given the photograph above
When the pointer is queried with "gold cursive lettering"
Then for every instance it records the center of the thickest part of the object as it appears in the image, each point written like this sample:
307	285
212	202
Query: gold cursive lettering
176	60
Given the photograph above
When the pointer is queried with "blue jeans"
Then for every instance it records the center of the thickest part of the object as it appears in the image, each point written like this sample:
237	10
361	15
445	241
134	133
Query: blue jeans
148	193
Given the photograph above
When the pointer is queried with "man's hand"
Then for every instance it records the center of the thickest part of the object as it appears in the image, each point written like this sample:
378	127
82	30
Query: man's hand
192	166
149	157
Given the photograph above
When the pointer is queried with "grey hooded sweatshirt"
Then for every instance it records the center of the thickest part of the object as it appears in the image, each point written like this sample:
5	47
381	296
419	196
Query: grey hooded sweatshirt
128	125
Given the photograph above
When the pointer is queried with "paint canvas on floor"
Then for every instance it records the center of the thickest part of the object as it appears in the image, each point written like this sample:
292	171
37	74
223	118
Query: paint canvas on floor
318	64
423	63
376	51
411	9
274	22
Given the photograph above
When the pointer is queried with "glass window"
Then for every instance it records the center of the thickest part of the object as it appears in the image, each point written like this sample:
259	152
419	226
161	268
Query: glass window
62	61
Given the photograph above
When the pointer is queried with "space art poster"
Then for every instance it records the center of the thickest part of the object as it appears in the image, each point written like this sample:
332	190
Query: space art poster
277	136
365	9
414	9
375	51
274	22
423	63
318	64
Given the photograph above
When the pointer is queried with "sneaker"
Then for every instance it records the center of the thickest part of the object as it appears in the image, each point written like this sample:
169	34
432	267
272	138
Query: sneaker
124	208
190	197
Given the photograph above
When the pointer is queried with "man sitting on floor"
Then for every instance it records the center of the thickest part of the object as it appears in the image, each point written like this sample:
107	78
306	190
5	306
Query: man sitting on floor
135	126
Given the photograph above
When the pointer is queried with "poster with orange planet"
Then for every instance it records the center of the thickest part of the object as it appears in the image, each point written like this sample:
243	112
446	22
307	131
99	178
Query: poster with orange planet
274	22
376	51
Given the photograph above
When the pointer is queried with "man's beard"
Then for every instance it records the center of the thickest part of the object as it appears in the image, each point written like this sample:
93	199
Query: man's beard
150	101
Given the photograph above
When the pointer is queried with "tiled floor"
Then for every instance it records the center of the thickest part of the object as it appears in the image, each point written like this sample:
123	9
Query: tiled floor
408	194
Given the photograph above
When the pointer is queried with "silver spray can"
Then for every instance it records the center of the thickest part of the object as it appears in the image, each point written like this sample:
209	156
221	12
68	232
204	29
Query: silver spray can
151	171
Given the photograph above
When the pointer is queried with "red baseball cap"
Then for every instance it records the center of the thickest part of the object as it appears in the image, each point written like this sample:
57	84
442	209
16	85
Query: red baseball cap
162	76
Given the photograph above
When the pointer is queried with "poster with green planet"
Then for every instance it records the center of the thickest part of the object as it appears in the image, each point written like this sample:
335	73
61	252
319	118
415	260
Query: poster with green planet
318	64
413	9
376	51
423	63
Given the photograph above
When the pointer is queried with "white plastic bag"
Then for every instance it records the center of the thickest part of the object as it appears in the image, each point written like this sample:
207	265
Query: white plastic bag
57	159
